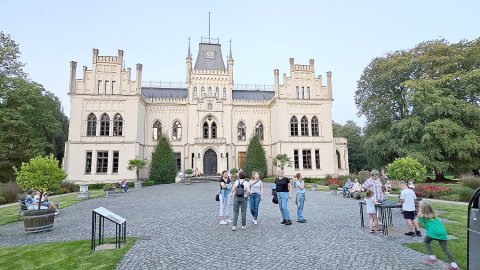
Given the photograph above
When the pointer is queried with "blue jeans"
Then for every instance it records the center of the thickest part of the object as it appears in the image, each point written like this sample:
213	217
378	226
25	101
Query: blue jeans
300	200
283	204
254	203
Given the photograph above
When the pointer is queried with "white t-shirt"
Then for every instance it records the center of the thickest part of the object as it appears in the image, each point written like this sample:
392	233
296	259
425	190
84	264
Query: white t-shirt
408	197
246	187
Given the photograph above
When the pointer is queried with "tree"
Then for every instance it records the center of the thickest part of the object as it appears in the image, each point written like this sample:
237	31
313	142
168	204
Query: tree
163	167
425	103
255	159
9	54
407	169
41	173
137	165
282	160
28	124
356	153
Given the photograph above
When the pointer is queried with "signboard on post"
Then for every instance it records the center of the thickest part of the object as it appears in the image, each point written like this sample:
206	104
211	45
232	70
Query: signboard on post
98	216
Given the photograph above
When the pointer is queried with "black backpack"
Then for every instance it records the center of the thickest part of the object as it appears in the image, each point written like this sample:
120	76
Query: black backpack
240	189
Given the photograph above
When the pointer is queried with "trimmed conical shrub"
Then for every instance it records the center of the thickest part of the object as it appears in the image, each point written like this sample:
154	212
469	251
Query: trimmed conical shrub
163	167
255	159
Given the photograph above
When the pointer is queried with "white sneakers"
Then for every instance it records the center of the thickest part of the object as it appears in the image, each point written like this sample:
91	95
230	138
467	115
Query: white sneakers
223	222
243	227
229	221
234	228
255	222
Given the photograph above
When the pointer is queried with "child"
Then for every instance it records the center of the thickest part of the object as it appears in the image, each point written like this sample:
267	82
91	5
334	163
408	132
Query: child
371	211
435	231
407	199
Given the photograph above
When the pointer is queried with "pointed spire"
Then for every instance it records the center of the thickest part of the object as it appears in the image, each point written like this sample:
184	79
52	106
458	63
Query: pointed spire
230	56
189	55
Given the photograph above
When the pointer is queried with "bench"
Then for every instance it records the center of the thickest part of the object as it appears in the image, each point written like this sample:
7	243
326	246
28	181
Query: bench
22	207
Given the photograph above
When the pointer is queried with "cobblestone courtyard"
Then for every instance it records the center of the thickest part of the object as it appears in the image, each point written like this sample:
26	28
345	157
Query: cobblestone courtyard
177	228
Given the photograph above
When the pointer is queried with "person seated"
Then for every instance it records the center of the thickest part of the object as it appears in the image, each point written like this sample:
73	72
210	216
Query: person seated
44	203
388	186
346	188
356	189
123	185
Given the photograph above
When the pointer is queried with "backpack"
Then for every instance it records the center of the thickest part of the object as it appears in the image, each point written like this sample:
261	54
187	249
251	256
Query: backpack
240	190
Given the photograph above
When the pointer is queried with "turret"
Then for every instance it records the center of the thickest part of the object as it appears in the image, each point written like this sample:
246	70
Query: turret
329	83
230	63
276	82
188	61
73	72
139	77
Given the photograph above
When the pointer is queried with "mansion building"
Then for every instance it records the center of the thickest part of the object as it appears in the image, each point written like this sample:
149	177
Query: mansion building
208	119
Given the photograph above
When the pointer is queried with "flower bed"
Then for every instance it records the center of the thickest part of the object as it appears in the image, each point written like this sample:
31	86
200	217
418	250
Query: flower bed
431	191
334	181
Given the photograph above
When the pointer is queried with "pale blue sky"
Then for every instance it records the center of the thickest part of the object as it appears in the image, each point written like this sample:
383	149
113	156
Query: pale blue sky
342	36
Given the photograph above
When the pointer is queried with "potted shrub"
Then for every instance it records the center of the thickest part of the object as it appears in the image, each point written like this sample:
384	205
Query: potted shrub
188	172
334	189
137	165
234	172
42	174
109	189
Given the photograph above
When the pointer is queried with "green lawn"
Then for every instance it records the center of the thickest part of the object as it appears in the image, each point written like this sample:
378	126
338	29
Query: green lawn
458	247
62	255
9	214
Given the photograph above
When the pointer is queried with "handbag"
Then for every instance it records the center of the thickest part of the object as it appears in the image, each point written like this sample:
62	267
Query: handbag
217	197
274	199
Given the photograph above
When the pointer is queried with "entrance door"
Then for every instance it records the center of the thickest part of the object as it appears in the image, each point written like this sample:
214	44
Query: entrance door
210	162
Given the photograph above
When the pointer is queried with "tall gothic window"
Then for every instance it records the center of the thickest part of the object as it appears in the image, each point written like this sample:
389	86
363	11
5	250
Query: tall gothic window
259	130
195	92
339	160
315	131
214	130
224	93
177	130
157	129
203	92
117	125
293	126
298	92
209	91
308	93
241	131
105	125
304	126
217	93
92	125
205	130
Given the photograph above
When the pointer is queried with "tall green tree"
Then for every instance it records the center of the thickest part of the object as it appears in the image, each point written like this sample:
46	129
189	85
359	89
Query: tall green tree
28	124
163	167
10	65
356	153
255	159
424	102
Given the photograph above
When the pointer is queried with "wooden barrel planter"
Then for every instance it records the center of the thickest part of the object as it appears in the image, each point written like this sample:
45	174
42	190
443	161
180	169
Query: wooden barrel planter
38	220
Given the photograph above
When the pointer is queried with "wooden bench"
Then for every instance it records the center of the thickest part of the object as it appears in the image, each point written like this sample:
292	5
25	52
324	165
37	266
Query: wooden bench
22	207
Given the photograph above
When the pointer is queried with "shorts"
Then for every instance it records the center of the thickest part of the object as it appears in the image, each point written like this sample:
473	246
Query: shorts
409	215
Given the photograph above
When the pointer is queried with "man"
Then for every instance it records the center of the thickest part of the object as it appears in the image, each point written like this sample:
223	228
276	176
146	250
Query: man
407	199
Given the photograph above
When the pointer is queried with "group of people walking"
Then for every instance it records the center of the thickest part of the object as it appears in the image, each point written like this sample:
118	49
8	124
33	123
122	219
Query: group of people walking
252	191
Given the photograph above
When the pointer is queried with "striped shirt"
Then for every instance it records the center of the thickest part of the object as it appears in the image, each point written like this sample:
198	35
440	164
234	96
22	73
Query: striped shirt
376	187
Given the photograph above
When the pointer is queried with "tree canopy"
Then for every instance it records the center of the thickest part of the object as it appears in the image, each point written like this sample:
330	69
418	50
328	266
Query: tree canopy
163	167
40	173
10	64
424	102
255	159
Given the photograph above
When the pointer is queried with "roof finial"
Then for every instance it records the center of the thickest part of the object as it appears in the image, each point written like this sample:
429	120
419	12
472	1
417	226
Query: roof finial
189	55
230	57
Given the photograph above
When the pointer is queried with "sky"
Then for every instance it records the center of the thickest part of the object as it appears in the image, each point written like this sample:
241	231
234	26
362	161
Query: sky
342	36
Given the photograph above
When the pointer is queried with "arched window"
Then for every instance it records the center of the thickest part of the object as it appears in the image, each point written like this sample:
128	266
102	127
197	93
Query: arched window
293	126
177	131
209	91
214	130
105	125
307	95
205	130
339	161
203	92
304	126
224	93
259	130
241	132
157	129
92	125
302	93
195	92
117	125
217	93
298	92
315	131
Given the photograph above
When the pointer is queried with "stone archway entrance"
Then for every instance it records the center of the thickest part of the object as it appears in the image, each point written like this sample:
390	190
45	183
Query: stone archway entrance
210	162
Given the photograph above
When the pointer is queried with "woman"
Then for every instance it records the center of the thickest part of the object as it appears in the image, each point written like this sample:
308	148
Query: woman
283	188
300	198
224	198
240	190
256	195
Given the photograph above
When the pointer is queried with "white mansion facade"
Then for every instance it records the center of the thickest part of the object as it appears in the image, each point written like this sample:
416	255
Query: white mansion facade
208	119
